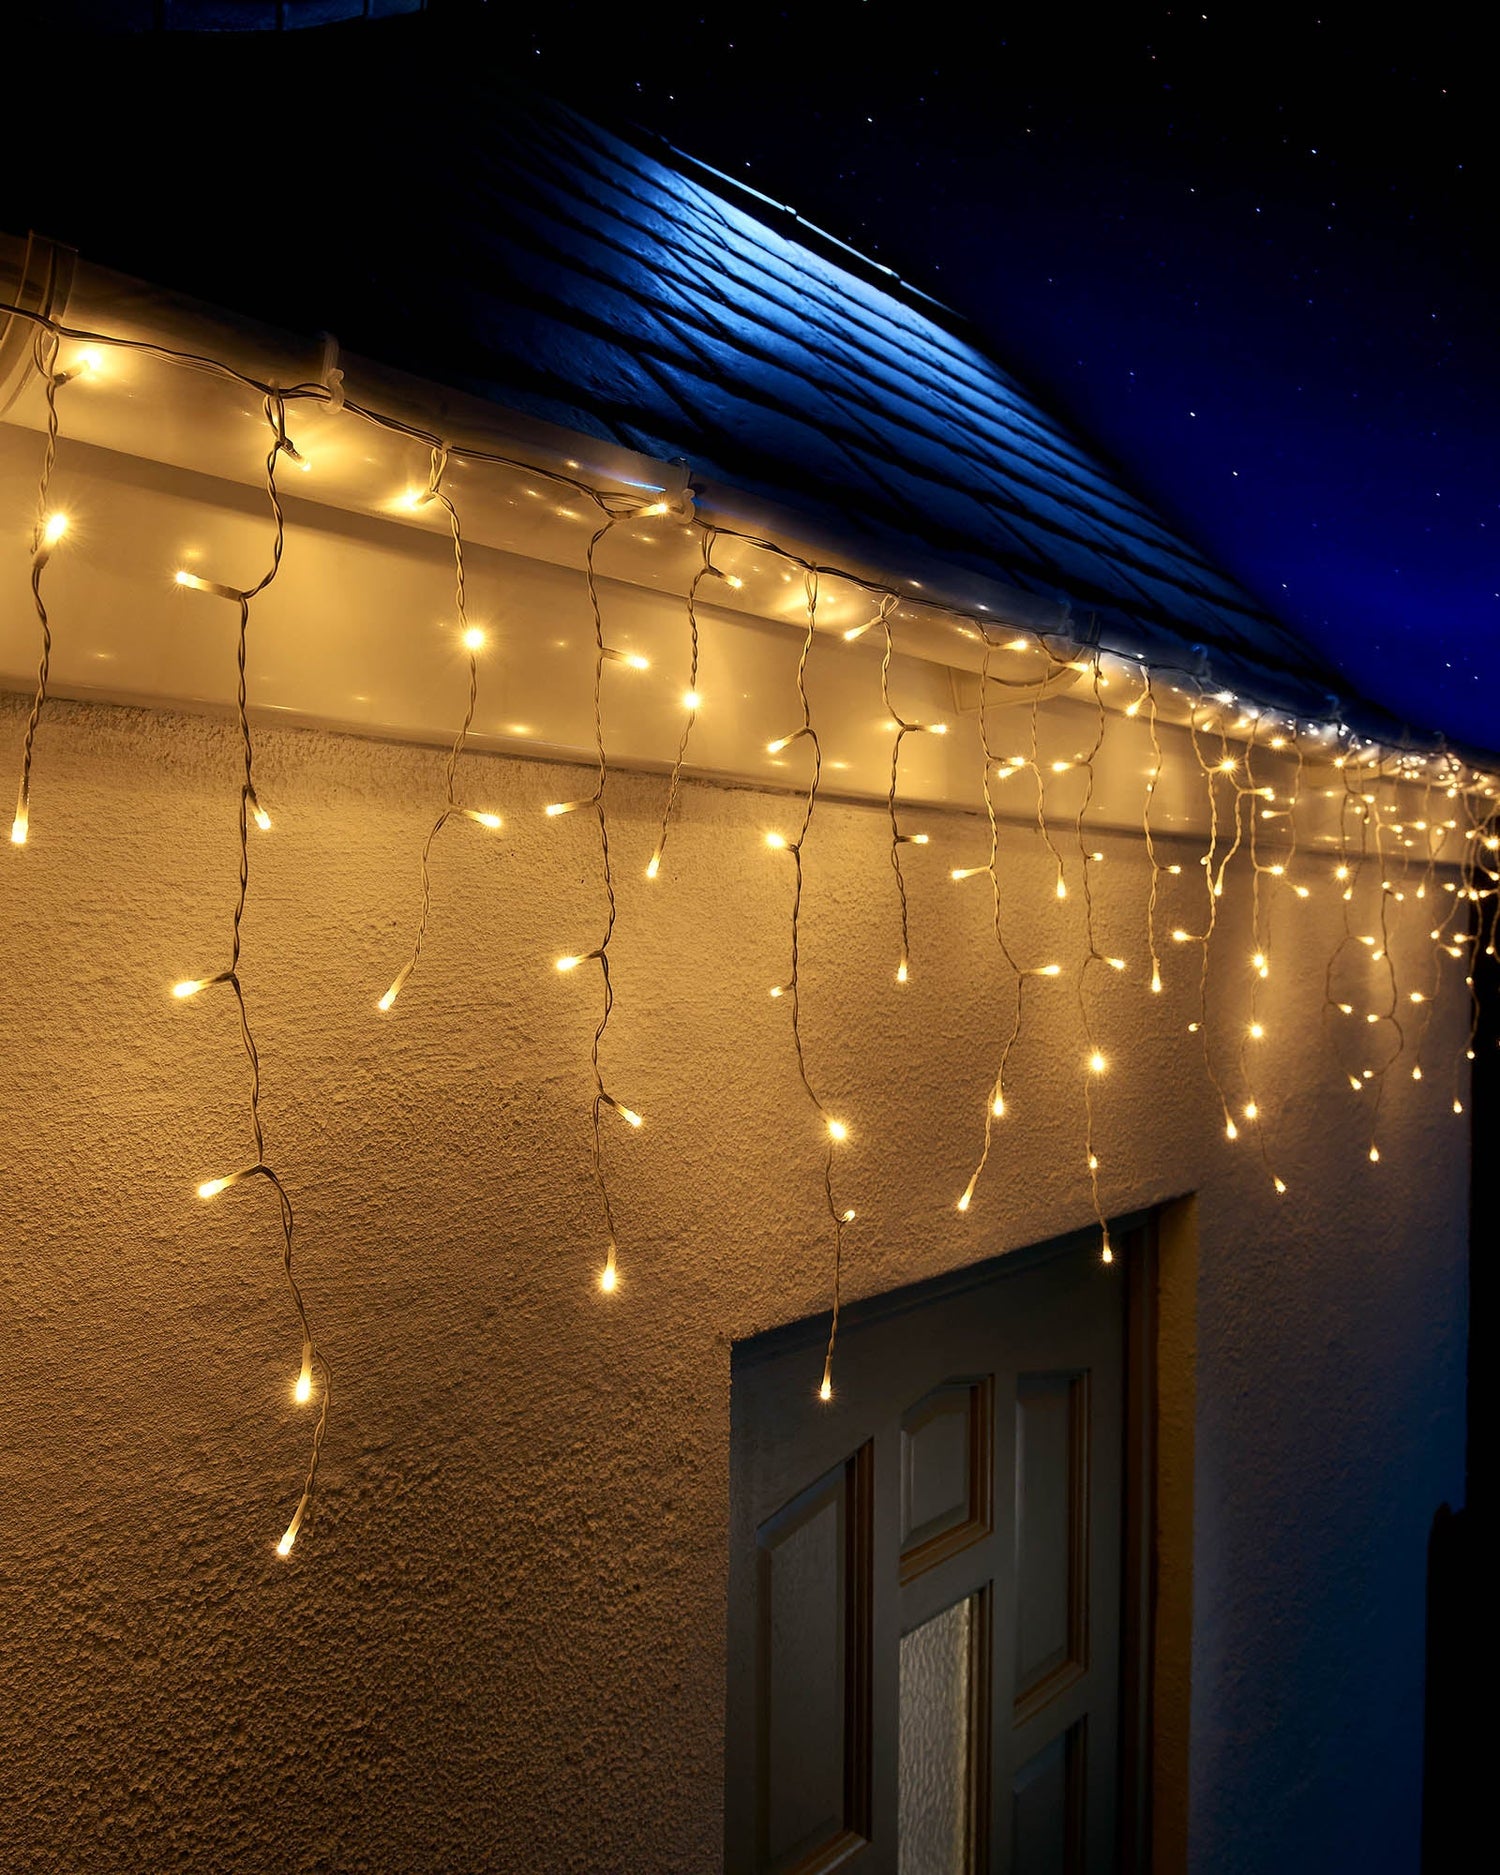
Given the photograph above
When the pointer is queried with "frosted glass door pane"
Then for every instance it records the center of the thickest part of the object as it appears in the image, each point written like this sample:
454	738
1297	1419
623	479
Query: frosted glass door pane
935	1770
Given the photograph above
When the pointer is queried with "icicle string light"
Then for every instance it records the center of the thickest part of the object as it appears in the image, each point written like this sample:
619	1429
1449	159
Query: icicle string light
836	1131
612	513
903	730
1094	1060
995	1103
471	639
691	701
313	1364
48	531
1365	766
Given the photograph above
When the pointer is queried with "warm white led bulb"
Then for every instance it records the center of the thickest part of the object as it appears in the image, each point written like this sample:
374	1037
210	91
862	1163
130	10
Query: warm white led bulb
20	826
1062	890
653	865
189	986
776	841
837	1130
554	808
825	1392
565	964
901	971
55	527
692	700
629	1115
473	639
211	1187
1097	1062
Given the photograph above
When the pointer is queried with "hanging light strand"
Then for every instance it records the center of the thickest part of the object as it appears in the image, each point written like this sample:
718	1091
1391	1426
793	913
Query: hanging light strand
1260	970
791	990
1148	697
1094	1060
314	1365
49	530
691	701
471	639
903	730
1213	886
995	1106
613	510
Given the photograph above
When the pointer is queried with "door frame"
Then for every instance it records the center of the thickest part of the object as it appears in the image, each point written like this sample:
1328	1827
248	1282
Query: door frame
1158	1252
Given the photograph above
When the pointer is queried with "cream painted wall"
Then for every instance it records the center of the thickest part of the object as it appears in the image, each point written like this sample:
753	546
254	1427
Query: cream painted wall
500	1644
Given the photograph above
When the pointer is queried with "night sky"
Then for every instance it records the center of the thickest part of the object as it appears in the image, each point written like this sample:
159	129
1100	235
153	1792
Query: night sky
1246	252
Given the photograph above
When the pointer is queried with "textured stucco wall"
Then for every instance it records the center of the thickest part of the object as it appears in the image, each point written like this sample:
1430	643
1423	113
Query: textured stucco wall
501	1643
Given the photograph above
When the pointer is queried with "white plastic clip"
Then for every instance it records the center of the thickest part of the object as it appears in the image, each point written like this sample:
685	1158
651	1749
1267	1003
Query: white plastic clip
330	376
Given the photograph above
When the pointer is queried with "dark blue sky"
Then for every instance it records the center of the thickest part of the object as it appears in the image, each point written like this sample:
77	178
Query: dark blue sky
1248	252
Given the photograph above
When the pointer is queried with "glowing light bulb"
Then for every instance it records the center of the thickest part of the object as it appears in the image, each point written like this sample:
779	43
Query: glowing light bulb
778	989
1062	890
262	818
1106	1254
1356	1083
1228	765
565	964
825	1392
1280	1185
781	742
1059	768
608	1276
1418	997
1374	1155
1258	962
1416	1073
776	841
302	1392
629	1115
936	729
1231	1131
1019	644
1050	970
284	1547
837	1130
1257	1031
653	866
1115	963
733	581
650	512
967	872
1346	1009
54	528
857	631
1093	1162
1181	937
1458	1106
901	972
90	359
692	700
473	639
1252	1112
1097	1063
20	826
1156	982
189	986
848	1217
997	1106
211	1187
555	808
636	662
491	821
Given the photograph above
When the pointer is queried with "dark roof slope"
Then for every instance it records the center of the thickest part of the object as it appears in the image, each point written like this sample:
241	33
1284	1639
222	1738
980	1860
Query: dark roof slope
448	224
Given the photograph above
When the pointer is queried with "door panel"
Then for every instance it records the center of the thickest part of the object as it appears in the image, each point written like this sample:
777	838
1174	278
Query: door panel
986	1415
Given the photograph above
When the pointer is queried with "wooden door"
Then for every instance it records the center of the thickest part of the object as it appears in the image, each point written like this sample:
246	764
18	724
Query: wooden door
925	1581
